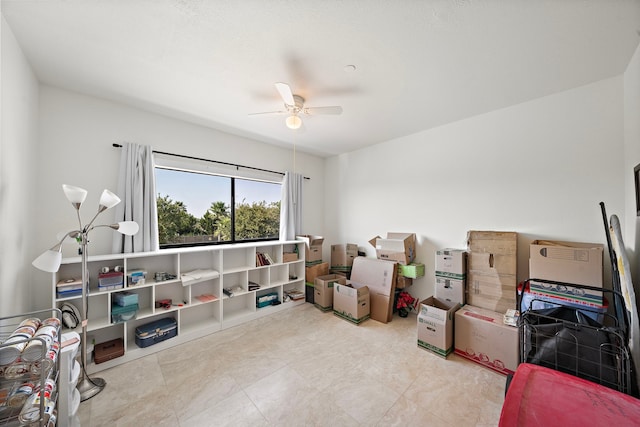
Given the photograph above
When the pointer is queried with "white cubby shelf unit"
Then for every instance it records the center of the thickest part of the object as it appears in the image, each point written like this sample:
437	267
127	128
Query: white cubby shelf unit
196	316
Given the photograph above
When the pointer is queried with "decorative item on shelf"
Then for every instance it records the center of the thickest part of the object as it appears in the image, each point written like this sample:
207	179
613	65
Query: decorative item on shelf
406	303
164	303
50	262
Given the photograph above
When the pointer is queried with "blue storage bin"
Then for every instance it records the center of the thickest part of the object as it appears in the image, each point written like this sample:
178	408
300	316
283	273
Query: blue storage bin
123	313
125	298
266	299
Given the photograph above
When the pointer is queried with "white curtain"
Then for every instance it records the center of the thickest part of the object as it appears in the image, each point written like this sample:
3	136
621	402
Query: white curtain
137	189
291	206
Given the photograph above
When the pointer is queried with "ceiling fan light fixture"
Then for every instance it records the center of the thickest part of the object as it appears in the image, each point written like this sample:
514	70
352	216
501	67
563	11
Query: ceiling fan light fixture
294	122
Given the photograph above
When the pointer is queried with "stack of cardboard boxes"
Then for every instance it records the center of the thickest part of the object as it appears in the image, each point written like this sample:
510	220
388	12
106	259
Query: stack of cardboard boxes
401	248
370	291
480	333
567	262
342	256
314	266
436	314
451	275
368	294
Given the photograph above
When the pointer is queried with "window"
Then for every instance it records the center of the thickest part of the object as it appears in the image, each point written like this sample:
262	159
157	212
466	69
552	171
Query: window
198	208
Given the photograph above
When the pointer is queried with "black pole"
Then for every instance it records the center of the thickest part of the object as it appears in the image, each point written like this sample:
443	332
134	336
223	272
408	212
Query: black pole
212	161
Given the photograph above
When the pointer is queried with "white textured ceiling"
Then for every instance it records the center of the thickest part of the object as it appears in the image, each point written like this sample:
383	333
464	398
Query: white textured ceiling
420	64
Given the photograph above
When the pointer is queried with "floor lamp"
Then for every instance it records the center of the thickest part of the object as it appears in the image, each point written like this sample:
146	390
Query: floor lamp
50	262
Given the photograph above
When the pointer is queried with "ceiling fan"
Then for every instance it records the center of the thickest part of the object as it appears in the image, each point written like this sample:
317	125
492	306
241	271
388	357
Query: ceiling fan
294	106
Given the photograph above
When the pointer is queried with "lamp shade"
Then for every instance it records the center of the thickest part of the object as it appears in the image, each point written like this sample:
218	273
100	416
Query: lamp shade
108	199
49	261
75	195
294	122
128	228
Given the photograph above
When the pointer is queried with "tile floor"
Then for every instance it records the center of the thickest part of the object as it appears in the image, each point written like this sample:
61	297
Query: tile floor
299	367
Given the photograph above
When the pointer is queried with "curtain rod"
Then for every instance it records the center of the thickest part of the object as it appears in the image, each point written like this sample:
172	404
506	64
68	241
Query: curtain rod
212	161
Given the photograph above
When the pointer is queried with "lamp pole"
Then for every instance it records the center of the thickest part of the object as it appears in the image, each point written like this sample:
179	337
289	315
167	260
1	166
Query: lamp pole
51	259
88	387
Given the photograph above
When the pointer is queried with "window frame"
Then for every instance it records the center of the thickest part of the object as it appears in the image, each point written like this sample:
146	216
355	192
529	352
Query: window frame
201	167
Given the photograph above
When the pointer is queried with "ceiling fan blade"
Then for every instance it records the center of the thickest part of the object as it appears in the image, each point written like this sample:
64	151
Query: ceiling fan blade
285	93
269	113
322	110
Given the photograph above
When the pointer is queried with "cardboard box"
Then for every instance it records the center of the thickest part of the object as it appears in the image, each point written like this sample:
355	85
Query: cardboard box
342	256
289	256
491	291
323	290
312	247
450	290
435	326
350	303
491	269
412	271
310	273
567	293
569	262
451	263
533	299
399	247
481	336
495	242
344	274
380	277
403	282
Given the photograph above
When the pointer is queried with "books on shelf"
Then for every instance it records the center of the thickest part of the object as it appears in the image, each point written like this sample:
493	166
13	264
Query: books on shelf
295	294
197	276
263	258
253	286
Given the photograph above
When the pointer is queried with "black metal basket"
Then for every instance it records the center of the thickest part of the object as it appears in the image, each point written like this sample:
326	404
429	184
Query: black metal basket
571	340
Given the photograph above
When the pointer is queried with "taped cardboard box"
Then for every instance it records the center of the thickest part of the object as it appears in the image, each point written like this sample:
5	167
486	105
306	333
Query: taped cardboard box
352	304
310	273
569	262
451	263
323	290
450	290
403	282
312	247
380	277
481	336
289	256
491	269
342	256
491	291
435	326
399	247
495	242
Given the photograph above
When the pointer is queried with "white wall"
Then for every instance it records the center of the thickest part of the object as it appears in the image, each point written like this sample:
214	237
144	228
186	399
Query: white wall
77	133
19	109
631	224
539	168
